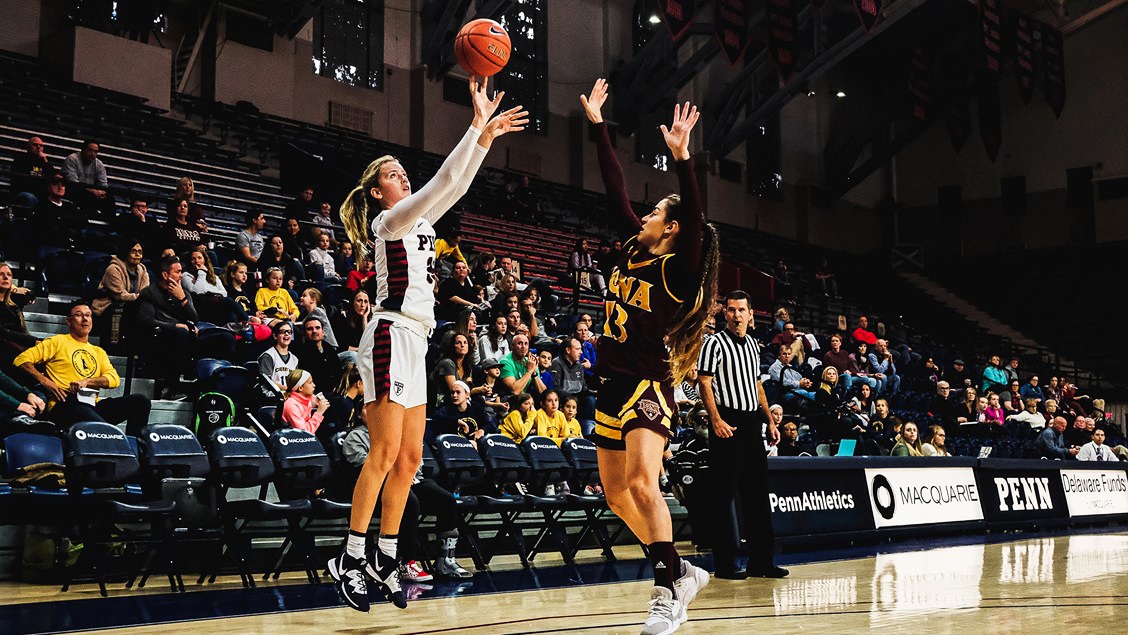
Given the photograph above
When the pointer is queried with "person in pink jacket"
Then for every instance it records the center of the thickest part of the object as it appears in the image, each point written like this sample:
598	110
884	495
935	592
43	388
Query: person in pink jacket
303	409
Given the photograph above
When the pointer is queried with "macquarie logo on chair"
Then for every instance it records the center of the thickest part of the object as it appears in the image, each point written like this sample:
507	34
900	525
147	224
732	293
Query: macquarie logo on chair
907	496
1095	492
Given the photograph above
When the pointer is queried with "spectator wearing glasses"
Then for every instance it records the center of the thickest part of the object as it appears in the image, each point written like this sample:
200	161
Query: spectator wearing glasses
29	174
791	339
1011	400
1032	390
73	372
121	284
789	378
941	404
277	361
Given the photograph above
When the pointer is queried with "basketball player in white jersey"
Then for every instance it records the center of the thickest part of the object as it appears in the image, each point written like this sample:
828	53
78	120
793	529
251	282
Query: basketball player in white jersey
394	345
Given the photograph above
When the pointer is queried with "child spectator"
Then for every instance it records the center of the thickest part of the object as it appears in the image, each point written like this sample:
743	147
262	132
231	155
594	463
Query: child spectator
994	412
570	408
544	367
302	409
521	418
360	275
344	257
277	361
462	414
310	302
321	256
552	423
240	290
324	216
273	300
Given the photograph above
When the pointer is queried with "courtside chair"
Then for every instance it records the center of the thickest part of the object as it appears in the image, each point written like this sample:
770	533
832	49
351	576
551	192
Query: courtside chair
549	467
582	457
459	466
506	467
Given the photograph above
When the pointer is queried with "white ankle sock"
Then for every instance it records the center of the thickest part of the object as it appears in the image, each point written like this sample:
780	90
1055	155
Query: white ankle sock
387	546
355	545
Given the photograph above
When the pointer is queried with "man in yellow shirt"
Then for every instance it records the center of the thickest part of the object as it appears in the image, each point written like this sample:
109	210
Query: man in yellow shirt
73	371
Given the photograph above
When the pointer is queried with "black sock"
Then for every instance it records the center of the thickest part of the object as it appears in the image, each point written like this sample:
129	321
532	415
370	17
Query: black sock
666	564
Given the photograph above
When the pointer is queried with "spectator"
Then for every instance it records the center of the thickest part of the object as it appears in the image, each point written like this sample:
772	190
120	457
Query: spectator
321	256
249	242
360	275
16	400
454	365
827	401
792	340
884	424
782	317
1051	411
845	365
29	172
521	419
582	262
74	371
934	443
181	234
505	283
862	332
186	191
1011	400
318	356
789	440
54	211
994	413
1069	405
349	326
14	336
568	375
1029	415
863	373
86	170
552	423
583	333
783	282
302	409
1053	390
609	254
467	325
299	207
141	226
826	279
1031	390
484	266
909	442
494	344
241	291
344	258
544	364
277	361
275	257
447	249
209	296
994	377
862	405
941	404
293	243
528	312
791	381
455	294
273	300
571	407
345	402
167	315
931	371
958	374
885	371
491	371
121	285
462	414
1096	450
1051	442
324	215
1079	433
967	410
1011	370
504	302
310	305
519	369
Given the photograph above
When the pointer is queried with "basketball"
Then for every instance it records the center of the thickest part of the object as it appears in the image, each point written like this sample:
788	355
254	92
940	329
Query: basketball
482	47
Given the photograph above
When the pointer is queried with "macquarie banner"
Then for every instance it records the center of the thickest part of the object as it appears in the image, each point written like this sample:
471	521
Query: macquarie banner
818	502
1095	492
902	497
1021	495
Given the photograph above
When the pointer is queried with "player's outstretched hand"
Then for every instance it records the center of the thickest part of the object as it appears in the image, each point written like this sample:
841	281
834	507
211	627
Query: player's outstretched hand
593	103
484	107
677	135
513	120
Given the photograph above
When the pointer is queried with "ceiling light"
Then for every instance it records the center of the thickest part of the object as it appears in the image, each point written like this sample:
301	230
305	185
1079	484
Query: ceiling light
654	19
810	93
840	94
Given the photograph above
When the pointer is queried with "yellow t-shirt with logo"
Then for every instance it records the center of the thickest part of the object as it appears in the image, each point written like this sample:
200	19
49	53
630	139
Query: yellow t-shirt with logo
279	299
68	360
517	426
557	427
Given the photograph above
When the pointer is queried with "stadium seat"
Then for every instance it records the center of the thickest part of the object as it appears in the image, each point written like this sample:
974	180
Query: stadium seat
506	467
548	467
582	458
461	466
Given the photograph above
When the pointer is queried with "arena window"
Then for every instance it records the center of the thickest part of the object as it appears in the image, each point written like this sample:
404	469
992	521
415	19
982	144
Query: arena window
348	42
525	78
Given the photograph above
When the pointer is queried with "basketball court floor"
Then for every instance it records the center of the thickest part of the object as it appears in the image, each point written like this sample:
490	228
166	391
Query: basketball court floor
1025	584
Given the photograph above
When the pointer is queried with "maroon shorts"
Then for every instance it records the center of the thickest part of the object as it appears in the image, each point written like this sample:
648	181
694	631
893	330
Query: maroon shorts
626	403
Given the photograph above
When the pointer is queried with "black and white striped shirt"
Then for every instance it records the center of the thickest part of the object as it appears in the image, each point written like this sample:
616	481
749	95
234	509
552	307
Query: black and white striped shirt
734	365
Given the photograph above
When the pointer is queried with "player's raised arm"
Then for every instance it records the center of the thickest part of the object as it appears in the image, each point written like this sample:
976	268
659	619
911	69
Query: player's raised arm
613	180
677	140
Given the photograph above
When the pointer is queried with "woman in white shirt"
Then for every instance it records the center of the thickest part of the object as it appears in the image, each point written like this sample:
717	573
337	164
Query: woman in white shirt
934	443
208	294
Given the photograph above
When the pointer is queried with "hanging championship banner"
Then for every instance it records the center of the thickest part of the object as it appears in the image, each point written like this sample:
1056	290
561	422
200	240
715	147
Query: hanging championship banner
958	115
730	23
920	84
990	117
992	26
679	14
783	35
868	11
1053	68
1024	58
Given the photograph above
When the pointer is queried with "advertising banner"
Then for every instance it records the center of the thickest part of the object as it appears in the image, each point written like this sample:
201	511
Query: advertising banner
1021	494
818	502
902	497
1095	492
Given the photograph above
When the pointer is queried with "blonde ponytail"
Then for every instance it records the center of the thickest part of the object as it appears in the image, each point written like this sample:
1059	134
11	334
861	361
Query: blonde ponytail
354	211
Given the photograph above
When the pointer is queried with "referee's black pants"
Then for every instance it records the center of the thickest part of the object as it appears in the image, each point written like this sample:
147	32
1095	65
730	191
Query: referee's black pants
739	466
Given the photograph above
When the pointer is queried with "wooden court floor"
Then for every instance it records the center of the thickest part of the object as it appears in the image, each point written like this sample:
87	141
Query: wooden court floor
1059	585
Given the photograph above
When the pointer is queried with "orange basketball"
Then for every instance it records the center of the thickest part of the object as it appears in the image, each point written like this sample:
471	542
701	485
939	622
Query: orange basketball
482	47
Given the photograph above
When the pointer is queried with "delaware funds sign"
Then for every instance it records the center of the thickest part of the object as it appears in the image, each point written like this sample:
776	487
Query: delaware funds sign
901	497
1095	492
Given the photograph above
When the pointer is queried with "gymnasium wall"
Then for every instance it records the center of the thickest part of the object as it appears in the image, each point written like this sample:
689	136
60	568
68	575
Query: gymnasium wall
1091	132
586	39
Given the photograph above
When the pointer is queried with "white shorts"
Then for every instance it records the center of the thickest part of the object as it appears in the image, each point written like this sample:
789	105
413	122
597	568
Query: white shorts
392	360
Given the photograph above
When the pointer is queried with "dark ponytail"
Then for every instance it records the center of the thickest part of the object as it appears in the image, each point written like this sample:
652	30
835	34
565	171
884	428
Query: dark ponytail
687	335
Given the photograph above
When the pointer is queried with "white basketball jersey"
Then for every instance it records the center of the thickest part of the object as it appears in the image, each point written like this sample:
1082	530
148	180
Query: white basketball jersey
405	273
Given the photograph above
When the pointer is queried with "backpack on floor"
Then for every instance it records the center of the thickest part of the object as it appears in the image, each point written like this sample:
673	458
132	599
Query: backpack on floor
214	410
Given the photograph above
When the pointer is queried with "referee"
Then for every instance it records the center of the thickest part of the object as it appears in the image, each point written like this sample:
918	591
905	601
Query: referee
729	372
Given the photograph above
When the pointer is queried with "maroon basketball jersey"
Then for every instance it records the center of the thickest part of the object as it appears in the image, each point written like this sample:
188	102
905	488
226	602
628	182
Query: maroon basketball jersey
643	296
